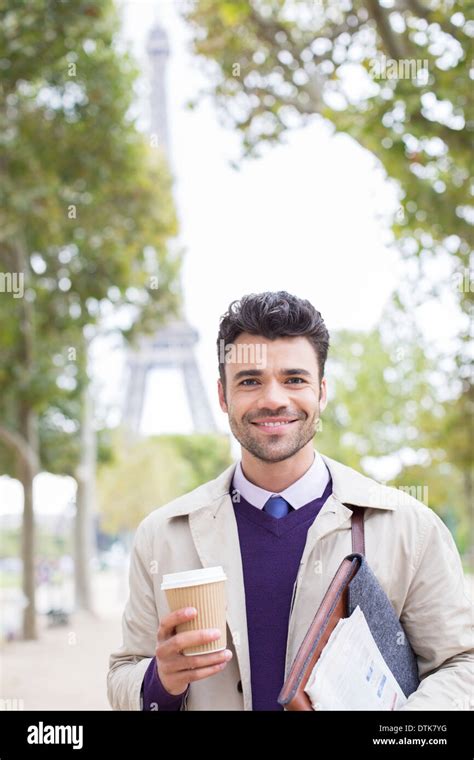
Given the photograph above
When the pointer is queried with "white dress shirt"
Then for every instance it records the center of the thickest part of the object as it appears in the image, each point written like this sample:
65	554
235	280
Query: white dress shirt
310	486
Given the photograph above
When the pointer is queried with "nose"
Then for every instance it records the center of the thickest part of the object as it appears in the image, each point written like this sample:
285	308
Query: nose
273	396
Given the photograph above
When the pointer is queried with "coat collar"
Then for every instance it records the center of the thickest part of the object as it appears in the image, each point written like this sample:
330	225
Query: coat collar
349	487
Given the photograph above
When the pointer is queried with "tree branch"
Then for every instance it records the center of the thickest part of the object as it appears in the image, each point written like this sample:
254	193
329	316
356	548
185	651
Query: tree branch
394	44
18	444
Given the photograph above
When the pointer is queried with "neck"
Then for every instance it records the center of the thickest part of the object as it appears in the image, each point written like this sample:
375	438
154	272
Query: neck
276	476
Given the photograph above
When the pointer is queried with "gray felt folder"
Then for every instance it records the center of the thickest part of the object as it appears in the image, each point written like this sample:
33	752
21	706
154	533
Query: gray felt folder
354	584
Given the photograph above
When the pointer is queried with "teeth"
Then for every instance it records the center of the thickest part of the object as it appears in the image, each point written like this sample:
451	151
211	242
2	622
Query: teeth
272	424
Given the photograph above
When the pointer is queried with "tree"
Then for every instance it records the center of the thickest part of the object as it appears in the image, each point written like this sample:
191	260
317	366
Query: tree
274	64
86	219
154	471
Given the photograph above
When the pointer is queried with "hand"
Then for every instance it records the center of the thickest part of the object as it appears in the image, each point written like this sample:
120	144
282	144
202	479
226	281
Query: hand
176	671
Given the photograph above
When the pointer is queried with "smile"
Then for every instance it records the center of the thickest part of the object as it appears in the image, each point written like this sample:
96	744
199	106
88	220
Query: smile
274	426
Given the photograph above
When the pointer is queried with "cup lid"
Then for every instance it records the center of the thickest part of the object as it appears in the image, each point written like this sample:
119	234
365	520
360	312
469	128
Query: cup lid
193	577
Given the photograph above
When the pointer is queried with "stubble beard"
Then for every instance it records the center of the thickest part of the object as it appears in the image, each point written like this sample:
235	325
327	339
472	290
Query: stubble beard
274	448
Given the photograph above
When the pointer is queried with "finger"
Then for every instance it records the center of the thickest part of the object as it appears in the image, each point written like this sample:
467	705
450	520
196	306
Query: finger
194	662
169	623
185	640
197	674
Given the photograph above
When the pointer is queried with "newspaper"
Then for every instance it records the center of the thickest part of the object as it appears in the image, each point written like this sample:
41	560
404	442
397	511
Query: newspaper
351	673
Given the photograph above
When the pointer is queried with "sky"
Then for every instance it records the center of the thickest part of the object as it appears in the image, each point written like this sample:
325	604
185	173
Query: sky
310	217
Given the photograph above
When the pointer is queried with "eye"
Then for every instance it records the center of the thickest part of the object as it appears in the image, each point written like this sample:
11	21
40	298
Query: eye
247	381
297	378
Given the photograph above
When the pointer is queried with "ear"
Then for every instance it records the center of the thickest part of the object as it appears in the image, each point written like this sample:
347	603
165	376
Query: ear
323	396
220	393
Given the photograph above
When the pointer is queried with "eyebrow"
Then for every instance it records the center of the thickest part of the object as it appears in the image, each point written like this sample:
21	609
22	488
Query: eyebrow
259	373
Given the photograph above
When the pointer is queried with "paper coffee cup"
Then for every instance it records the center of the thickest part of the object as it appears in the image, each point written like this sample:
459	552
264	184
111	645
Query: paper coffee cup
203	589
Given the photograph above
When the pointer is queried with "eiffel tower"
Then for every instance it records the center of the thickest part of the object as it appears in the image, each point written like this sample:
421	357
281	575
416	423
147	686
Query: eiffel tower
173	346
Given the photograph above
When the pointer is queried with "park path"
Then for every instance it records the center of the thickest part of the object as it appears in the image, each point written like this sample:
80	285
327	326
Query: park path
66	668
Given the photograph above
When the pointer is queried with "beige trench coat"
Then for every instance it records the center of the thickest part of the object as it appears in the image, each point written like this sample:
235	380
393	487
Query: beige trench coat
408	547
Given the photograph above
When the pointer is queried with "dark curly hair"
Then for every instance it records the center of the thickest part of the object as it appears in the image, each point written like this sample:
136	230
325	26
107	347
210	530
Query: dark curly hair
273	315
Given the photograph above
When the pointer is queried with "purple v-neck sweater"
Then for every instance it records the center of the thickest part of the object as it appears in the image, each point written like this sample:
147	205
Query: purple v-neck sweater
271	551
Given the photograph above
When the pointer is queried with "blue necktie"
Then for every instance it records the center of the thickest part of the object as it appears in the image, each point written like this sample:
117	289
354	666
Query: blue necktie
277	506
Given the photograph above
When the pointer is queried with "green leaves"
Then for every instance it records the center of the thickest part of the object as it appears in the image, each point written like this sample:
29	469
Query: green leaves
82	196
385	402
412	112
154	471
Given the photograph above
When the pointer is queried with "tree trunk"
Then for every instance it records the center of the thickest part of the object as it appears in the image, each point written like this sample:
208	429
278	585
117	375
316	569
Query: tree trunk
29	466
28	544
25	446
84	535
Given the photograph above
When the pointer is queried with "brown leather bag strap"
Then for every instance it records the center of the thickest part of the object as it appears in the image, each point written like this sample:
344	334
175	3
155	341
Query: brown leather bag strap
357	528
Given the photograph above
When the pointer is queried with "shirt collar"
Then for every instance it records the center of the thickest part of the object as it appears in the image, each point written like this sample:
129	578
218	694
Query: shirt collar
310	486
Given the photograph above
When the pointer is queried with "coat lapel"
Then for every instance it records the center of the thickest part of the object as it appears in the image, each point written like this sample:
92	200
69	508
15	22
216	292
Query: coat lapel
332	515
215	535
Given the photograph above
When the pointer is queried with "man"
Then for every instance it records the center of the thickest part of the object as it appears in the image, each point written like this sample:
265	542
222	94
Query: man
277	522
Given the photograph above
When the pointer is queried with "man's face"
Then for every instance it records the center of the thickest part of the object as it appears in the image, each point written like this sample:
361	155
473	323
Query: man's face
272	381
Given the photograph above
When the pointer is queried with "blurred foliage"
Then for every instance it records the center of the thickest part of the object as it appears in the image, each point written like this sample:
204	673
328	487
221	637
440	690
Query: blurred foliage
376	396
86	213
49	545
395	75
387	401
153	471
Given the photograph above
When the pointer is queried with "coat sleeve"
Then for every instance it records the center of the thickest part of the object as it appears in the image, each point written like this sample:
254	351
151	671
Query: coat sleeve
437	617
129	663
